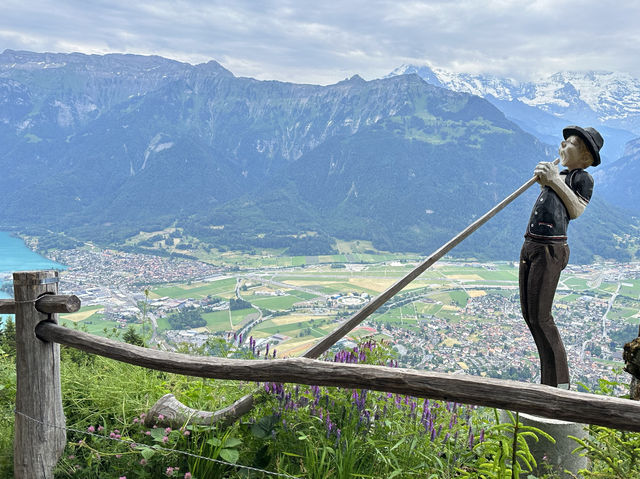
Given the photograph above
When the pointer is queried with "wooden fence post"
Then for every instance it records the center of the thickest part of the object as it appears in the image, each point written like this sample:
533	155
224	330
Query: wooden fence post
40	436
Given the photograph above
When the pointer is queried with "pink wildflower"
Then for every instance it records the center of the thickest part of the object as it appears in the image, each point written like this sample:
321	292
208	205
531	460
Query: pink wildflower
187	475
167	430
169	471
187	433
91	429
100	428
161	416
165	439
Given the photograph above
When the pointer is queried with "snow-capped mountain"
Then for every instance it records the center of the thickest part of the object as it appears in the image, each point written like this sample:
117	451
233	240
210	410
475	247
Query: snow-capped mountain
609	101
610	98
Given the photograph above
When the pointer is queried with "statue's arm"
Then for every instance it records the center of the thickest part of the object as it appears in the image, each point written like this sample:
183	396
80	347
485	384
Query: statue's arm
548	175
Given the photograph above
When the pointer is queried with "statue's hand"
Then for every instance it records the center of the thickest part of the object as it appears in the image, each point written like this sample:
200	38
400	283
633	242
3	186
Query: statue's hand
547	173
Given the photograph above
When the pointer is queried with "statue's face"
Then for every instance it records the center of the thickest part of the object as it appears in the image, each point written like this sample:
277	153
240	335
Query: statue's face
574	153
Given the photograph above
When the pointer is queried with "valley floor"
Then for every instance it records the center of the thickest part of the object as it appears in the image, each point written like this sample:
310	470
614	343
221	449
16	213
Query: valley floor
459	316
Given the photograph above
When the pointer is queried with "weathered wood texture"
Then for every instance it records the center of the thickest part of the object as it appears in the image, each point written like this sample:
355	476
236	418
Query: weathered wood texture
7	306
58	303
50	303
38	443
168	411
535	399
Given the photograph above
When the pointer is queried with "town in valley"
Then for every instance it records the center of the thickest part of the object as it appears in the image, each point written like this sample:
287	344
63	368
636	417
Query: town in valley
459	316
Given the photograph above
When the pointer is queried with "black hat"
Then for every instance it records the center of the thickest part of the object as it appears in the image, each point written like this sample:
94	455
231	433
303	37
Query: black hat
591	138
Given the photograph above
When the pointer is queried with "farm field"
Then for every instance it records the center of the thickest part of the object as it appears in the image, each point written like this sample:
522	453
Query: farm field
223	288
84	314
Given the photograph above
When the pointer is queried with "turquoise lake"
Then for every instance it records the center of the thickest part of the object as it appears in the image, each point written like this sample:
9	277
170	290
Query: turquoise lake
15	256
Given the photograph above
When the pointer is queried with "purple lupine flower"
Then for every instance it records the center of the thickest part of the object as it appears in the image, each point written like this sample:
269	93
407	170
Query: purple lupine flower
470	438
481	438
274	353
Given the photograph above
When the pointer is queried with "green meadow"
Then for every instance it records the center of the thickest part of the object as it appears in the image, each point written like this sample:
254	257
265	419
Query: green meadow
221	287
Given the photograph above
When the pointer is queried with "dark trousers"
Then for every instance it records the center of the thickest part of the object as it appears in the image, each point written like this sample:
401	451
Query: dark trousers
540	268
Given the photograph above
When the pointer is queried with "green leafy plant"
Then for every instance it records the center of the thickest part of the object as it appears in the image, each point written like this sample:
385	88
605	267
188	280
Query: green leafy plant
504	451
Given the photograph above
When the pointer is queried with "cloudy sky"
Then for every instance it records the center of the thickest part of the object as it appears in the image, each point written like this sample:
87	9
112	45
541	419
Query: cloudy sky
326	41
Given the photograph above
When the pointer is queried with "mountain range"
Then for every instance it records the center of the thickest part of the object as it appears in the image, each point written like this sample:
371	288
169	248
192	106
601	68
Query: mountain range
102	147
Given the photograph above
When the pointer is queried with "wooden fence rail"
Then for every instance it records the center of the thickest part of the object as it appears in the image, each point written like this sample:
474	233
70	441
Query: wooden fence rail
536	399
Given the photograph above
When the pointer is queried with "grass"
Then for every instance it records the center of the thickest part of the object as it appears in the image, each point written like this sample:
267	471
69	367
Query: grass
274	303
621	313
223	288
240	315
84	313
577	284
96	327
632	291
292	329
218	321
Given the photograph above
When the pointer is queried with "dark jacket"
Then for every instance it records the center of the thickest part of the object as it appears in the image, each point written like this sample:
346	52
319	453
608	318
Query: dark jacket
549	216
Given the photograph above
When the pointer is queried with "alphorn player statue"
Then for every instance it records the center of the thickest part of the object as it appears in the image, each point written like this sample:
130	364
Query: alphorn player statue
564	195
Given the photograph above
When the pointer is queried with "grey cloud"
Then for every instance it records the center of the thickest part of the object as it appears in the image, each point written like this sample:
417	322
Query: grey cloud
324	42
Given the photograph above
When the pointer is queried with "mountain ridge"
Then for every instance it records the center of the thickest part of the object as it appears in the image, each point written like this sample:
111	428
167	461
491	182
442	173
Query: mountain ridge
397	161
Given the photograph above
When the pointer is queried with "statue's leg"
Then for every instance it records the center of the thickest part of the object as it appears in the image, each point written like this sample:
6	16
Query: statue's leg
539	278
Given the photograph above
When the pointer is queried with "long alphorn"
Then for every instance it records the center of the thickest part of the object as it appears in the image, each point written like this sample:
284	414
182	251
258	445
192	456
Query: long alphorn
244	404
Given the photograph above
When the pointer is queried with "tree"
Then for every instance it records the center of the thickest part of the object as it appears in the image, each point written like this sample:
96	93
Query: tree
8	338
130	336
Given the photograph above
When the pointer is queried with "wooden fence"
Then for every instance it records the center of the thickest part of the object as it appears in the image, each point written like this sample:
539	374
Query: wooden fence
39	419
